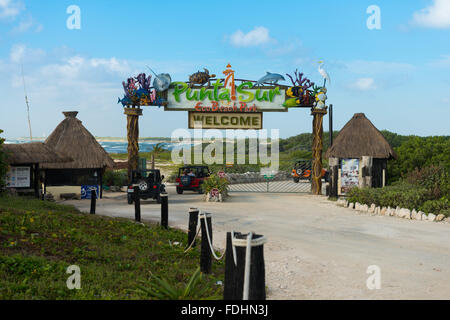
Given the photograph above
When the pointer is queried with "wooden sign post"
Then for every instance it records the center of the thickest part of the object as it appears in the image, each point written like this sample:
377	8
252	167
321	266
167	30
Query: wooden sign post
317	148
133	138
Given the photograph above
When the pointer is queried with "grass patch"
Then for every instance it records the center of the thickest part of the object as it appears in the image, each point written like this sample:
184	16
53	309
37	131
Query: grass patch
39	240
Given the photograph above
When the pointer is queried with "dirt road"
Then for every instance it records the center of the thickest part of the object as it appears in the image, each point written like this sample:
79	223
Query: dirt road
317	250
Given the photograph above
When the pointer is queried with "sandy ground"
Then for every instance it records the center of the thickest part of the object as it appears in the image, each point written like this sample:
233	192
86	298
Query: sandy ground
316	250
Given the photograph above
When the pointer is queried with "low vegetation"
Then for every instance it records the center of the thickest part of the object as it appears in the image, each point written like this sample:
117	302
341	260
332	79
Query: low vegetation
426	189
40	240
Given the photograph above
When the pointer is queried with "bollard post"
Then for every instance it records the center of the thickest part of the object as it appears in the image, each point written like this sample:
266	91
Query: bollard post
137	204
93	201
256	279
164	210
229	285
205	252
192	226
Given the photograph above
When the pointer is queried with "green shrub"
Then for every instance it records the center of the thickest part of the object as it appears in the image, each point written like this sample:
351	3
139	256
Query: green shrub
215	182
434	178
404	196
441	206
419	152
115	178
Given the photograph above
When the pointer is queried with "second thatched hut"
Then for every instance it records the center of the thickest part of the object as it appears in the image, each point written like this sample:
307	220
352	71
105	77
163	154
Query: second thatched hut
90	160
358	157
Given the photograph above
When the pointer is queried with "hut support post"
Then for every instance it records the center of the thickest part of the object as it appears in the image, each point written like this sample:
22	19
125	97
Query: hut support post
317	148
334	167
133	139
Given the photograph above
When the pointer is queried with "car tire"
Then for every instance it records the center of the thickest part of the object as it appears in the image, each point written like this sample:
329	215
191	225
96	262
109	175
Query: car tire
129	199
143	185
296	179
179	190
158	199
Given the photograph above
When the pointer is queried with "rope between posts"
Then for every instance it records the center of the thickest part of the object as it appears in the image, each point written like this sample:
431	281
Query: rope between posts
202	215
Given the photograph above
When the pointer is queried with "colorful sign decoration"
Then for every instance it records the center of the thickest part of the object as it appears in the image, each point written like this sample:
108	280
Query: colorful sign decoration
225	120
206	93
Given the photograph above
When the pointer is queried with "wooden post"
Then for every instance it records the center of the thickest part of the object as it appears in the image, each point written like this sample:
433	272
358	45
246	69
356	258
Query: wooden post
205	252
93	201
317	148
133	138
164	210
257	282
137	204
230	288
36	180
192	227
334	166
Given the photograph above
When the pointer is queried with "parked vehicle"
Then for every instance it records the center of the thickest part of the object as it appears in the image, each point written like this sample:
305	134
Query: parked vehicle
191	178
150	185
302	171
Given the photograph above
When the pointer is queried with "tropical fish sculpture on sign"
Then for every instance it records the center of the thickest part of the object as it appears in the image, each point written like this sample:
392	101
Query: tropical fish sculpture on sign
304	93
138	91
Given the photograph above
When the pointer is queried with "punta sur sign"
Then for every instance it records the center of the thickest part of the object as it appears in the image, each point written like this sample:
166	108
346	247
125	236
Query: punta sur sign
226	96
204	93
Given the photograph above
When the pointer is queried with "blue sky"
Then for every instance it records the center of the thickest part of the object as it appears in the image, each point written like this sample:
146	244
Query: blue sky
397	75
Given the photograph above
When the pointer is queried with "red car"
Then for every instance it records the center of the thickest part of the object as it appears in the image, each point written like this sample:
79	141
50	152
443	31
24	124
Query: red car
191	178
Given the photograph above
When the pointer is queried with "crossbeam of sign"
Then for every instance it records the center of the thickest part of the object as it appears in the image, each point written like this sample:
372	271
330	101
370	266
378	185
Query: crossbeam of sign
204	93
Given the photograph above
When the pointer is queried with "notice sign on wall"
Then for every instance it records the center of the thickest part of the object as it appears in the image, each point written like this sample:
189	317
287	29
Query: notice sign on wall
225	120
18	177
349	174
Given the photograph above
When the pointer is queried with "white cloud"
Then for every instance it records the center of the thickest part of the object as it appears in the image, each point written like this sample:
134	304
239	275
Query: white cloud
27	24
378	67
255	37
364	84
9	9
437	15
20	53
443	62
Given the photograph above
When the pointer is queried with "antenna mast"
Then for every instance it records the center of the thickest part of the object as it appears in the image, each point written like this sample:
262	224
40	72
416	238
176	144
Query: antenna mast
26	101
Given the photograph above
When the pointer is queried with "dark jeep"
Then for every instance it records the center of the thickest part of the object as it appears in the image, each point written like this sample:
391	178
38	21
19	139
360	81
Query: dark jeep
191	178
149	183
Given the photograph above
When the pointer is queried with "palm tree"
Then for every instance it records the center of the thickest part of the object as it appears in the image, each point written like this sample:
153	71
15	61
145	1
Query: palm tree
157	149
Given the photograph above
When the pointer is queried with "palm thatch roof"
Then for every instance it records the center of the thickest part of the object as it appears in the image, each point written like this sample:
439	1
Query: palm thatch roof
35	152
72	138
359	137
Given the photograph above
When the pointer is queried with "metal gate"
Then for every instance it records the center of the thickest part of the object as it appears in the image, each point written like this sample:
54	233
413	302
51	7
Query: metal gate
283	181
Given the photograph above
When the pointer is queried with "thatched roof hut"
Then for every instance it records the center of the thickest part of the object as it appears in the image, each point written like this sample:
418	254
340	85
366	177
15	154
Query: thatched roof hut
358	138
358	156
73	139
35	152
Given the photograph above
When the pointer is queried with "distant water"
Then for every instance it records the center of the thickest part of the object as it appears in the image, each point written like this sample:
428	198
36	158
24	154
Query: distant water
114	146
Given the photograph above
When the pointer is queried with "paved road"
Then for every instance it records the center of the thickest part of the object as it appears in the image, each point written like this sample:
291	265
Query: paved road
317	250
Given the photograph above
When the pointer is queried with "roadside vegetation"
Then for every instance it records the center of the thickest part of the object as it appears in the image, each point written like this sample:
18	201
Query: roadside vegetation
118	258
419	179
